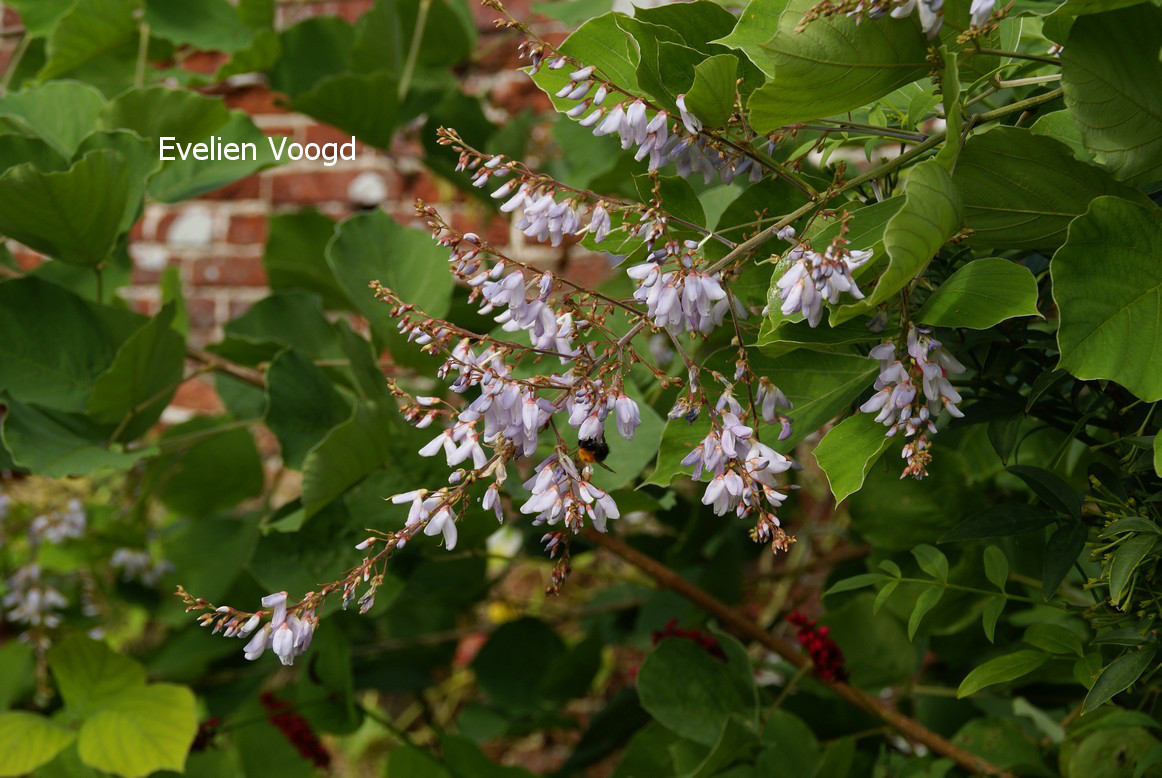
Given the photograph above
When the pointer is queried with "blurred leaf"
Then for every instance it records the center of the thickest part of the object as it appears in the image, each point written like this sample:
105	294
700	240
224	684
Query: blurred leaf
142	379
363	104
991	614
1125	563
876	648
1064	546
982	294
512	666
58	445
142	730
74	215
303	406
297	241
90	675
39	16
790	747
1050	488
90	30
210	25
1001	670
59	112
208	465
996	567
312	50
927	600
28	741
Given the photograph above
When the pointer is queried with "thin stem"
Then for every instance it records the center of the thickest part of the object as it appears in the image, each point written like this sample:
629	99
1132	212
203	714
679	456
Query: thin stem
1032	81
825	126
739	624
14	63
142	54
409	66
214	362
1019	55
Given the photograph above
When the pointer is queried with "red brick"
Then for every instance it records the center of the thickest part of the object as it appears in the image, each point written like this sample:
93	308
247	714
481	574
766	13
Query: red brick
587	269
198	395
516	94
206	62
228	271
310	187
420	185
325	133
255	100
27	258
247	228
203	312
248	188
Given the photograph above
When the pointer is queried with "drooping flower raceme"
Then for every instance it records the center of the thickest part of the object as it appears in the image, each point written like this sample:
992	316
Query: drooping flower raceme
815	278
911	391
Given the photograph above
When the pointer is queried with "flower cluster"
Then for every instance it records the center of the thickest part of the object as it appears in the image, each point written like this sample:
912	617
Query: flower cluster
742	471
59	526
140	565
683	300
911	390
826	657
931	12
561	492
287	634
815	278
31	601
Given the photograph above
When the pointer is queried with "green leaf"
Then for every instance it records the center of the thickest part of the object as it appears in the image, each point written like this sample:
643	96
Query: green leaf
182	179
711	98
512	665
786	336
982	294
758	24
1053	638
819	385
373	247
1020	190
1051	489
600	42
363	104
210	25
1158	455
996	567
28	741
998	521
699	707
60	112
143	730
991	614
297	240
1062	127
883	594
932	562
1125	563
853	583
831	67
39	16
142	379
1062	550
56	359
303	405
1111	320
1118	676
679	437
372	437
790	747
929	217
1001	670
849	450
58	445
91	31
90	675
876	648
678	197
924	603
208	466
1109	72
74	215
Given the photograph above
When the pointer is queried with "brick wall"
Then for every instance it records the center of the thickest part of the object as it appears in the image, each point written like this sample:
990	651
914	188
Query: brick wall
217	241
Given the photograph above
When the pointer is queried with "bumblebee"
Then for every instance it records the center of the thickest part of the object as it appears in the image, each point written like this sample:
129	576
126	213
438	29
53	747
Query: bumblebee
593	451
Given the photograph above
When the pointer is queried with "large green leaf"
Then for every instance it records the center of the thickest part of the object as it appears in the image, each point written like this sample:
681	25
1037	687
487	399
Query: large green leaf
1020	189
208	466
1110	72
832	66
1107	282
303	405
28	741
297	240
820	386
52	360
363	104
141	731
56	444
931	214
373	247
182	179
849	450
60	112
91	31
1001	669
90	675
758	24
39	16
981	294
142	379
73	215
371	438
711	98
211	25
699	707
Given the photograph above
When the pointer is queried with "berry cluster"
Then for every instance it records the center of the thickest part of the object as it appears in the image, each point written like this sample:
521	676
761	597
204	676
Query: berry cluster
825	655
296	729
